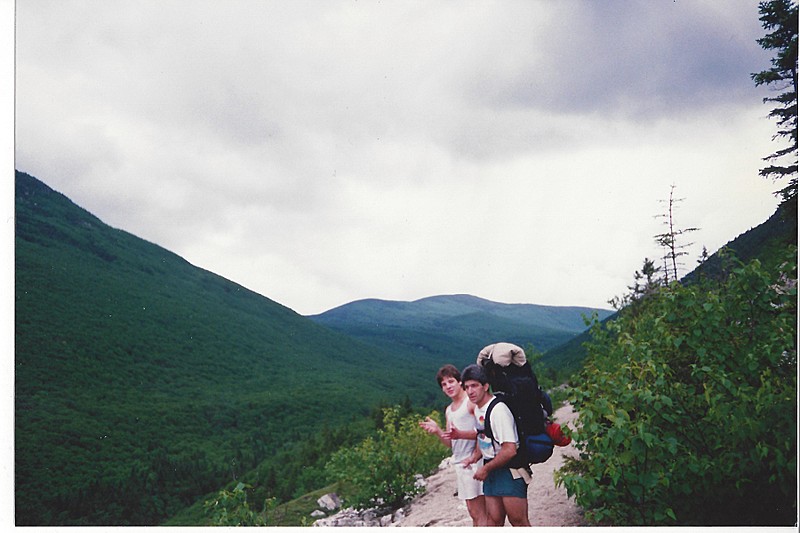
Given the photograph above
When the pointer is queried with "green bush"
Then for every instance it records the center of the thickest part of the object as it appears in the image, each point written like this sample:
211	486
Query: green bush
230	508
381	470
687	406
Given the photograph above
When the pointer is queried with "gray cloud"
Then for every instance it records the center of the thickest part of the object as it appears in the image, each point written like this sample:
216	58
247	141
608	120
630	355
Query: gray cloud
625	58
320	152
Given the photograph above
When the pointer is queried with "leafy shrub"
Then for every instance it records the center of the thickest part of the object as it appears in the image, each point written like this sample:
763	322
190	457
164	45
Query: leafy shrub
687	406
230	508
381	470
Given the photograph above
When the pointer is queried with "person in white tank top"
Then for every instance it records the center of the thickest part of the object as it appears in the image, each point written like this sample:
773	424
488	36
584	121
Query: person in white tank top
460	435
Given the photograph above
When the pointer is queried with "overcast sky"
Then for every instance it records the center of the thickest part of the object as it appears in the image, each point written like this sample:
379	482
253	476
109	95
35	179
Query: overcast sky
327	151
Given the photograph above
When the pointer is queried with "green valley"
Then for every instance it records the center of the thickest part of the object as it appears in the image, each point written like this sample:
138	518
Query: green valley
143	383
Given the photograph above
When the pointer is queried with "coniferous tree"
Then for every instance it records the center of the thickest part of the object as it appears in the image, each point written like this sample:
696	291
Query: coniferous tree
645	282
780	17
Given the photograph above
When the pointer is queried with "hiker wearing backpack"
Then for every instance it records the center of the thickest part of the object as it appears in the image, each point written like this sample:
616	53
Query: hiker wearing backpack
460	434
505	489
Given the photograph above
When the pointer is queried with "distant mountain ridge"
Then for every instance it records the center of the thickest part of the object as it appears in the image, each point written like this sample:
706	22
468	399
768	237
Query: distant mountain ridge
455	327
567	318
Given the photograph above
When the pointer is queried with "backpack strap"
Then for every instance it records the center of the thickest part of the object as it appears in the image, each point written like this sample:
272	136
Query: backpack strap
487	427
546	402
520	459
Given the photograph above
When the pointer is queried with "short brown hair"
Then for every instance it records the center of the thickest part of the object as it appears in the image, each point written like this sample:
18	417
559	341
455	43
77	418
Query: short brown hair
475	373
448	371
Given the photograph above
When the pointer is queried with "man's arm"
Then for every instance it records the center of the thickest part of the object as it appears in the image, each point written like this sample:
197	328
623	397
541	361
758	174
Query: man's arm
455	433
507	452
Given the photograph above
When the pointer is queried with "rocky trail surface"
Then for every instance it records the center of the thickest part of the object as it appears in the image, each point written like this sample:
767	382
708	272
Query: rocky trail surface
548	505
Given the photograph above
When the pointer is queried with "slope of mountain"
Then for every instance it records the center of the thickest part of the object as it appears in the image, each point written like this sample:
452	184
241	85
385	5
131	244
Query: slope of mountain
761	242
143	382
455	327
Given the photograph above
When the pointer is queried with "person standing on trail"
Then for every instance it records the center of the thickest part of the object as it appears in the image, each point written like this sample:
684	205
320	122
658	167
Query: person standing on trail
460	435
505	490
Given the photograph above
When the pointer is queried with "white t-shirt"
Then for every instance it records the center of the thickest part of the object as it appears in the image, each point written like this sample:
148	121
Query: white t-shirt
503	428
461	419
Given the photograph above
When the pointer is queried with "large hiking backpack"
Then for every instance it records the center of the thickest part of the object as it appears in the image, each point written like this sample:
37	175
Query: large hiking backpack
514	383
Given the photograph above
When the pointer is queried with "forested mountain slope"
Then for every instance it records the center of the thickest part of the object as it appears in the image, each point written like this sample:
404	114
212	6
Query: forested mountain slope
456	327
143	382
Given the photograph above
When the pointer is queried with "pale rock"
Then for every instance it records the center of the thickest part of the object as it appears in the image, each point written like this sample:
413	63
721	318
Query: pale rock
352	518
329	501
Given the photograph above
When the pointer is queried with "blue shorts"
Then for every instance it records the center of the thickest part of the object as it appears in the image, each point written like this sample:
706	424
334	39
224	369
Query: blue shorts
500	482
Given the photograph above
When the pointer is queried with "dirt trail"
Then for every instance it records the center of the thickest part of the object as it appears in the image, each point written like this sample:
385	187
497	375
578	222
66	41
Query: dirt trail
547	504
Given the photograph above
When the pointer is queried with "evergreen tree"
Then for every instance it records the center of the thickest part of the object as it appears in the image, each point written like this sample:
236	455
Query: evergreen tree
646	282
780	17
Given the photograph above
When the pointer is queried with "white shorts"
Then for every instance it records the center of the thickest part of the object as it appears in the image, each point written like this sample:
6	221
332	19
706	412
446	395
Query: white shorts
468	487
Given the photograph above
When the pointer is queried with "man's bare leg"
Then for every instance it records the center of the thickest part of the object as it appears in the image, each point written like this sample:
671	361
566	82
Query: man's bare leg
517	510
495	512
477	510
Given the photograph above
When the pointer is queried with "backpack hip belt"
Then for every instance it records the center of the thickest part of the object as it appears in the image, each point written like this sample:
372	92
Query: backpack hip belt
523	473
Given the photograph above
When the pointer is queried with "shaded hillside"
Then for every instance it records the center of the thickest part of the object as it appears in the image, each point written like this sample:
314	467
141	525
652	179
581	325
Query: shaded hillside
763	242
455	327
143	382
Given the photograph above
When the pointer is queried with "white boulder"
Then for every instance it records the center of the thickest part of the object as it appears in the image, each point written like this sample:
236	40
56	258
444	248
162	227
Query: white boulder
329	501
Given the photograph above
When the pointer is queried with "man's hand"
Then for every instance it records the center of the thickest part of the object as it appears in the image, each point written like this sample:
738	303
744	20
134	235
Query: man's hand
482	473
507	452
453	433
430	426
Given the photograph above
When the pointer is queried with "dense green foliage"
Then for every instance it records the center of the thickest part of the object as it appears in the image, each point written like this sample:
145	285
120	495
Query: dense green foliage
455	328
687	404
381	469
301	468
144	384
231	508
